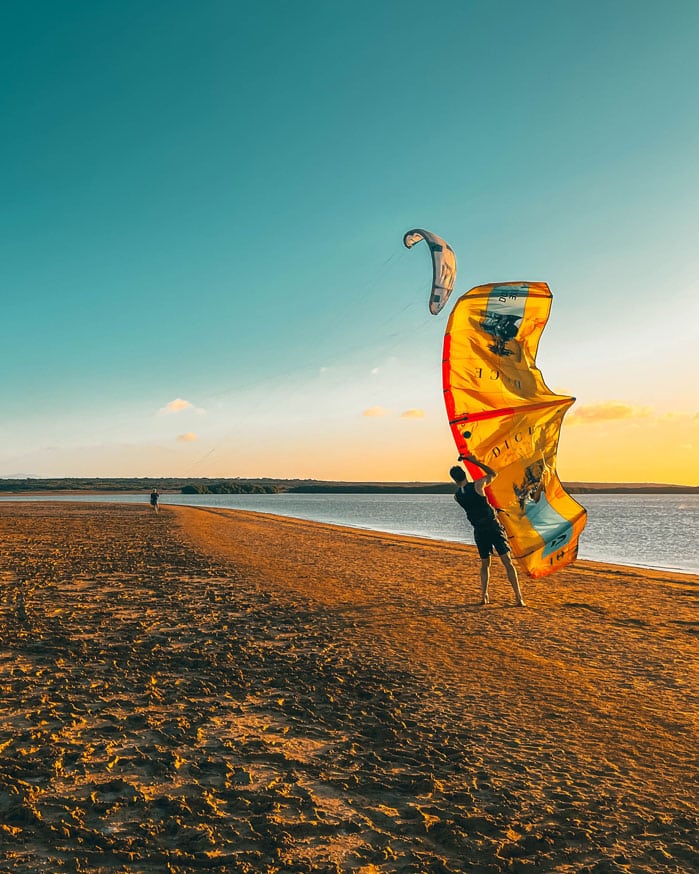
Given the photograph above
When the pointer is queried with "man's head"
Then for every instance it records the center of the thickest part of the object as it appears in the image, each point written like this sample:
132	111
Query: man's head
458	474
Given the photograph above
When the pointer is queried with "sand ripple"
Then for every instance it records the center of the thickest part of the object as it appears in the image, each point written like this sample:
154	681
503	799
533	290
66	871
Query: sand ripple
217	692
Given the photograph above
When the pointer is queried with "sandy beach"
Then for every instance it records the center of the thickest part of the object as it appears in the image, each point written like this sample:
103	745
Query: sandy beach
213	690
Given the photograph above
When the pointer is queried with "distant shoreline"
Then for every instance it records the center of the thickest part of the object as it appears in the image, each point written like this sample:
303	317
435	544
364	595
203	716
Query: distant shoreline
176	485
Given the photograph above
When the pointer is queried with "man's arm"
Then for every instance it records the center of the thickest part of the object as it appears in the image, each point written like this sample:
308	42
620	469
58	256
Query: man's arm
484	481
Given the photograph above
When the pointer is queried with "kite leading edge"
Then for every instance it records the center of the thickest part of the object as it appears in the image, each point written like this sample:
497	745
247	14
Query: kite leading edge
500	409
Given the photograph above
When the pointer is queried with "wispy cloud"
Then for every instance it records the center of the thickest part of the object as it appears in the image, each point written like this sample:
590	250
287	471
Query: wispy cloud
189	437
413	414
374	411
177	406
680	416
608	411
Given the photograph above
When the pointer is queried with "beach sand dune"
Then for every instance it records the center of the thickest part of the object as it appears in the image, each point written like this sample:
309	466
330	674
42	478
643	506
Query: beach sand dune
208	690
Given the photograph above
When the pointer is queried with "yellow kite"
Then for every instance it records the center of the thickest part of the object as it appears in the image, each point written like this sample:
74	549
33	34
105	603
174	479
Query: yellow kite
501	411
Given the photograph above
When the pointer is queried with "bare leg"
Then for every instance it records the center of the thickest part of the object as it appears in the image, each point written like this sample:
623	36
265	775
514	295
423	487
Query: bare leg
485	577
512	577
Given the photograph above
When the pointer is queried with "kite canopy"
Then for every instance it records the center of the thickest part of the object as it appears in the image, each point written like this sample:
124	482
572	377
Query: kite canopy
443	266
501	411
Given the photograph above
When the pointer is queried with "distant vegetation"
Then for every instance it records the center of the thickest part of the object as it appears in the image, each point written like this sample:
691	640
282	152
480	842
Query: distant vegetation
228	488
374	488
166	484
35	484
263	485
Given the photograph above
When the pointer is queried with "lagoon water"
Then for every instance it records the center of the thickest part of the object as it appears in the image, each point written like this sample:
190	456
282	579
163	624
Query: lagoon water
655	531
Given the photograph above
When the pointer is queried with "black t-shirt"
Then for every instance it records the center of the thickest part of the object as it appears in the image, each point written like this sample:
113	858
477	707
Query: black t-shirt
478	510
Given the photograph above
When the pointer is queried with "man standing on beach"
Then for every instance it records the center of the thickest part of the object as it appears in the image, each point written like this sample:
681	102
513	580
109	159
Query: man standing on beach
154	499
487	530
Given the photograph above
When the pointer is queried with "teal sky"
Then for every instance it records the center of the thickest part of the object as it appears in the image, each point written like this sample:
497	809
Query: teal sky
204	203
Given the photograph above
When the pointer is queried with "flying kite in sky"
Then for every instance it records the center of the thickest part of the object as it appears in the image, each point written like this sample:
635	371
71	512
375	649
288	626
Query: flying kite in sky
501	411
443	266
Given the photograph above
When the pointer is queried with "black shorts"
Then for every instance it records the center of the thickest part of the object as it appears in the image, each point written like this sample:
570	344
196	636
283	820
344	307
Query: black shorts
489	537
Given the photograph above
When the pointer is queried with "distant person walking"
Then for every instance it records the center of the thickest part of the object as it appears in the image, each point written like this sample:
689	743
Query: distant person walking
487	530
154	499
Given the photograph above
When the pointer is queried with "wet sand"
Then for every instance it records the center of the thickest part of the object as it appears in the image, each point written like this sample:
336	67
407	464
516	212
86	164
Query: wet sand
209	690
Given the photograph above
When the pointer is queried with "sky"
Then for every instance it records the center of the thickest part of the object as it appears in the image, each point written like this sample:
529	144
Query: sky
203	206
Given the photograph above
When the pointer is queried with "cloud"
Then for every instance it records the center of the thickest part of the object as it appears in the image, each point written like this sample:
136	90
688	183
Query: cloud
189	437
608	411
175	406
374	411
680	417
413	414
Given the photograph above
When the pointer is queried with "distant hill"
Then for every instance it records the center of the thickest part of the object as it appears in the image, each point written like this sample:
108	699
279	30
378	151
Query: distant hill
446	488
218	485
635	488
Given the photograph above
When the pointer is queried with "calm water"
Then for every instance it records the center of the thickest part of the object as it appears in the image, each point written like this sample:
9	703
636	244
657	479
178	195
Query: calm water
658	531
